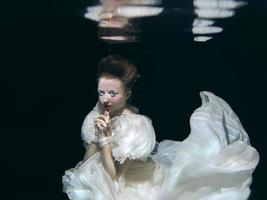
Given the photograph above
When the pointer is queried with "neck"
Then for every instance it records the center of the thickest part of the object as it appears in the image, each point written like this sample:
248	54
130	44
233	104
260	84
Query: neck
117	112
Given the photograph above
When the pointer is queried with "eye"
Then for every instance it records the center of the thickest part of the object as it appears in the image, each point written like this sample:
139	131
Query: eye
113	93
100	93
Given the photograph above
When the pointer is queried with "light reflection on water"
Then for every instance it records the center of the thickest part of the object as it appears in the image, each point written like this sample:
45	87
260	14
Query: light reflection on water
208	10
114	17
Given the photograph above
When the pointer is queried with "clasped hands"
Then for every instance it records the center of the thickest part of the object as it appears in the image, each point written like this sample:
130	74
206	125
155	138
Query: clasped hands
103	127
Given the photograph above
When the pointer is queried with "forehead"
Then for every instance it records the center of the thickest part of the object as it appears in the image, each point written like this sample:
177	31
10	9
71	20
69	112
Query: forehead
110	83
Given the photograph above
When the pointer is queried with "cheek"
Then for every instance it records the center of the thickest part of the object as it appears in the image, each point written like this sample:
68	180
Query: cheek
119	100
100	99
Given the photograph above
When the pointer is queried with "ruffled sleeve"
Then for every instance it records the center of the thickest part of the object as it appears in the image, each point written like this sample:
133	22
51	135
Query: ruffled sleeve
133	137
88	129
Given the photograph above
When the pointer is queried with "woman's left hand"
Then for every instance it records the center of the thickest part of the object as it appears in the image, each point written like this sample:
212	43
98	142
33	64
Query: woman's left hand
103	125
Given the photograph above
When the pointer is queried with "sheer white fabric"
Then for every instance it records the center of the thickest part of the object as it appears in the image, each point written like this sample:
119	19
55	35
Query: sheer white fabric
133	137
215	162
88	129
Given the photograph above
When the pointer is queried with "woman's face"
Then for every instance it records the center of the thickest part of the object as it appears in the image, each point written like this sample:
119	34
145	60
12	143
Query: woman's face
111	94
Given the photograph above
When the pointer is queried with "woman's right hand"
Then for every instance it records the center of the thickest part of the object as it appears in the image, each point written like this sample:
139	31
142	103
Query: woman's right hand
103	125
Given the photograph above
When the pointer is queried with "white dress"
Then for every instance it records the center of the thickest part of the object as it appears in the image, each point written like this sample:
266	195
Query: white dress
215	162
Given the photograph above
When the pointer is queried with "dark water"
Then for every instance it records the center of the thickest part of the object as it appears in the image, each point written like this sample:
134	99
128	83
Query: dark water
51	52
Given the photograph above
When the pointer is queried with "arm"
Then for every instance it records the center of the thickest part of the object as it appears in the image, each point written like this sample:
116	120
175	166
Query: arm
108	161
102	124
90	151
115	169
106	157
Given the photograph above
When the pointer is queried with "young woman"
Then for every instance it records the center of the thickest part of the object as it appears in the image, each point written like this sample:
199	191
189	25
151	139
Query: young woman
215	162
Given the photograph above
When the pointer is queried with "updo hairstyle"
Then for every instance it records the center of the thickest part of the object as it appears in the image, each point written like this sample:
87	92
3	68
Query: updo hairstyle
117	66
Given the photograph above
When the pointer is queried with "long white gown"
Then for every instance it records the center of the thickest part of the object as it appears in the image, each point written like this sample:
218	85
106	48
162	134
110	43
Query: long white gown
215	162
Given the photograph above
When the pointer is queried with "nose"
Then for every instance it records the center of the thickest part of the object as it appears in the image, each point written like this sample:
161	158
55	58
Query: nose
106	98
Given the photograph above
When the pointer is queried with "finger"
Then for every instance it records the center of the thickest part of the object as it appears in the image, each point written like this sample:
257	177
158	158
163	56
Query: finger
101	129
108	118
104	118
101	123
106	113
98	128
98	124
100	120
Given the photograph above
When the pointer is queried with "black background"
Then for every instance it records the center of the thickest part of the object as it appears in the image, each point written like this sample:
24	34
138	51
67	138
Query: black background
50	55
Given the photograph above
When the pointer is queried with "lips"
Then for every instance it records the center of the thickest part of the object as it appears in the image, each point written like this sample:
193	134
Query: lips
108	107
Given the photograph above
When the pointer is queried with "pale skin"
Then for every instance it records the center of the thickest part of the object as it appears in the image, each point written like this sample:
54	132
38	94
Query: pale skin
113	97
